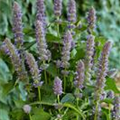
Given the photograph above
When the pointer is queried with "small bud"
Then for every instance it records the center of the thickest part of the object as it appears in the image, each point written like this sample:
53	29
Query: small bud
27	109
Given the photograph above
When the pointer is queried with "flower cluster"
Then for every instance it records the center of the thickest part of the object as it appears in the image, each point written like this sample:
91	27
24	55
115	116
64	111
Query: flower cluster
44	53
34	70
91	19
116	109
10	49
71	12
57	86
57	7
102	70
67	44
17	25
89	56
79	75
41	12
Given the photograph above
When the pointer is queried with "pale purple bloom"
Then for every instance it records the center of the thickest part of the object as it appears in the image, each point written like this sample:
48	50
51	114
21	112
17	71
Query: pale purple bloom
44	53
89	56
17	25
79	75
103	68
91	18
41	12
71	12
116	109
32	64
57	86
10	49
67	45
27	108
57	7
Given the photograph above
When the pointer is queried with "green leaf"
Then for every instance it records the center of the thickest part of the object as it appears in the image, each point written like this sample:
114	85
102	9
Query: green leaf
111	85
52	70
4	72
4	115
68	98
40	115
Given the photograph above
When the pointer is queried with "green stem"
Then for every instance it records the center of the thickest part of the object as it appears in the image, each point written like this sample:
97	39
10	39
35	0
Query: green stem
96	111
45	75
58	98
64	105
64	83
109	112
30	117
39	93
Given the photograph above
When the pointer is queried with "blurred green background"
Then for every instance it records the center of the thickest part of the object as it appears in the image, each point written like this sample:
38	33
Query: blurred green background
108	19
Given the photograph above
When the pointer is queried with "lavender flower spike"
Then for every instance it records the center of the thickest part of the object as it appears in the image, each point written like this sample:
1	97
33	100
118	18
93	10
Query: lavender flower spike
79	75
89	56
91	19
34	70
57	7
44	53
102	70
116	109
41	12
10	49
57	86
67	42
71	12
17	25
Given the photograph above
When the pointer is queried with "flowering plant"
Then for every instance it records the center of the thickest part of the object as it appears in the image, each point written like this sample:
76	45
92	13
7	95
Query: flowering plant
63	73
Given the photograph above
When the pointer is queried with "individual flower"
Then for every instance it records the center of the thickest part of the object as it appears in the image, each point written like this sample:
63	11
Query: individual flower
44	53
41	12
57	7
110	94
57	86
116	109
102	70
89	56
27	108
17	25
34	70
91	18
67	45
71	12
10	50
79	75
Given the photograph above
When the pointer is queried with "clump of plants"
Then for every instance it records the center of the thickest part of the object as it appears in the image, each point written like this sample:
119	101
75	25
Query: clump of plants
62	74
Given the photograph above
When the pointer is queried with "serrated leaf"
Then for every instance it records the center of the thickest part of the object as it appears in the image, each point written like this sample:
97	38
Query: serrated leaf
111	85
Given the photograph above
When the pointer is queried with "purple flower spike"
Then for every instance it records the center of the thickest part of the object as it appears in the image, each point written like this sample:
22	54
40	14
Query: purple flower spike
17	25
103	68
41	12
57	86
89	56
79	75
71	12
10	49
34	70
91	19
116	109
67	45
57	7
44	53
